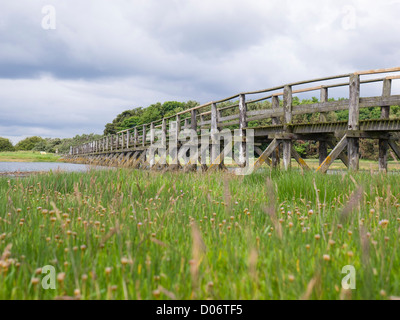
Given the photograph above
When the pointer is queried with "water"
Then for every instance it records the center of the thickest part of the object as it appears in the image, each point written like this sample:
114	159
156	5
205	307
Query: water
24	167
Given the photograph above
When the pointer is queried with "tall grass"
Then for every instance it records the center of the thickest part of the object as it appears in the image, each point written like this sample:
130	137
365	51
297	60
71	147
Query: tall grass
125	234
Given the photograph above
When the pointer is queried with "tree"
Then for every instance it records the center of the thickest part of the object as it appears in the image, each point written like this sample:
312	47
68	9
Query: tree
6	145
136	117
28	143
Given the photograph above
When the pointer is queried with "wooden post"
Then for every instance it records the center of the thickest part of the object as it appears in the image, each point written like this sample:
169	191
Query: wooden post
178	130
152	138
385	113
242	130
214	133
323	145
135	137
193	123
163	157
275	157
287	109
354	119
152	133
128	138
144	136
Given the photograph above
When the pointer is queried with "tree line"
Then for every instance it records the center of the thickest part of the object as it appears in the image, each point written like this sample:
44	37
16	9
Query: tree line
49	145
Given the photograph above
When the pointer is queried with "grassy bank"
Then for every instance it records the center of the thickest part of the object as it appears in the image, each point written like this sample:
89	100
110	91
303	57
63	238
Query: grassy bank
28	156
140	235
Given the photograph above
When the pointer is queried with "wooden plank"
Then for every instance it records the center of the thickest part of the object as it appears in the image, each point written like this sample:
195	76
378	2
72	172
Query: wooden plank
322	145
228	118
385	113
141	158
227	124
342	156
323	168
299	159
267	113
374	71
242	132
268	161
162	161
264	156
354	122
275	157
287	117
214	133
395	147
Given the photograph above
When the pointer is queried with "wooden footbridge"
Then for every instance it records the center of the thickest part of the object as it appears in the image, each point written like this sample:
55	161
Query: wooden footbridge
276	124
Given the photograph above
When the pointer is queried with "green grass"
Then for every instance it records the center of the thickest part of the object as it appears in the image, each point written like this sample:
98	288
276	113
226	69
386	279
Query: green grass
125	234
28	156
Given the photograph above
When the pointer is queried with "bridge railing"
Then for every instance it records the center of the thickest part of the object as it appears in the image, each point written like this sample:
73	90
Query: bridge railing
275	108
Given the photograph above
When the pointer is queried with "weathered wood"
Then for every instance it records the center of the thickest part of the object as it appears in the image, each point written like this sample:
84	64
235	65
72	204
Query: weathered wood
264	156
375	71
342	156
214	133
144	136
299	159
135	137
385	113
140	159
287	144
395	147
268	161
354	122
193	126
322	147
228	118
275	121
323	168
218	162
264	114
187	124
242	131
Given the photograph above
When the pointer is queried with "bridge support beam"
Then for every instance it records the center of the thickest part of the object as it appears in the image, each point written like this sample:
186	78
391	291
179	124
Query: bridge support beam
395	147
275	157
323	168
323	145
264	156
354	122
385	112
287	109
300	160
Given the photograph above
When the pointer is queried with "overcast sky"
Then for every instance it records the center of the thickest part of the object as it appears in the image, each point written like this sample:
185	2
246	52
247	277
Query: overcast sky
104	57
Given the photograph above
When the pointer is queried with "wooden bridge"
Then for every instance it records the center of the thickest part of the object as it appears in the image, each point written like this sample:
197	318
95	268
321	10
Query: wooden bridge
276	125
